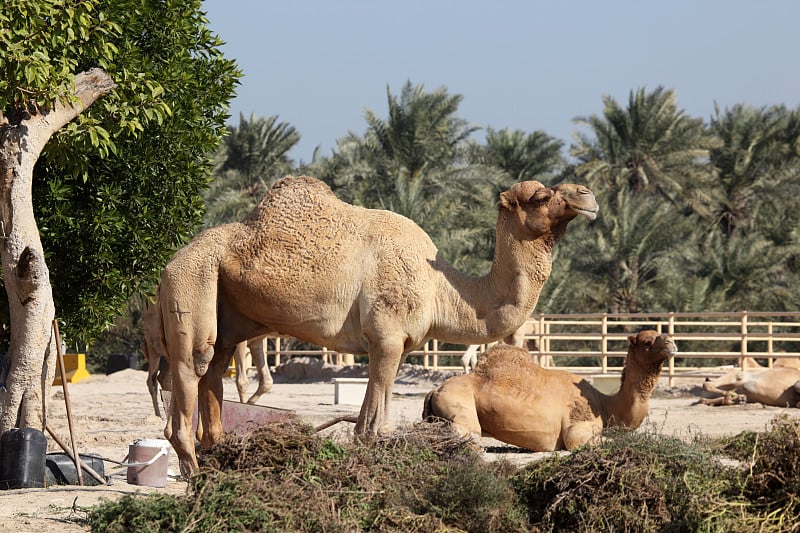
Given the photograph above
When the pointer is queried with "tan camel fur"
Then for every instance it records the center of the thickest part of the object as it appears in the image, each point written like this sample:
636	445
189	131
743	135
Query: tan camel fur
778	386
512	399
305	264
518	338
158	372
158	368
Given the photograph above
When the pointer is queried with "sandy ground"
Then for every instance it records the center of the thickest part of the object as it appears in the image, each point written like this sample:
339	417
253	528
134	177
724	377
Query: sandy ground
110	412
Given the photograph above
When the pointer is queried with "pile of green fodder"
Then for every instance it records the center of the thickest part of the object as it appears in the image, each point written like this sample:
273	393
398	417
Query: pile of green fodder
285	477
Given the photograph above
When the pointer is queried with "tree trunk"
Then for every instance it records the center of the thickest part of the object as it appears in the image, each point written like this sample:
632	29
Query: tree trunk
31	355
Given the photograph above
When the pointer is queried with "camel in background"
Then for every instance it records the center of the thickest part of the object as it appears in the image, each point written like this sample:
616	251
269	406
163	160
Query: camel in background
778	386
305	264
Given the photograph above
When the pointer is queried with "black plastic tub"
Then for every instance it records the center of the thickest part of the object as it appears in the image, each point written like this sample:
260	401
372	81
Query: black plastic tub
60	469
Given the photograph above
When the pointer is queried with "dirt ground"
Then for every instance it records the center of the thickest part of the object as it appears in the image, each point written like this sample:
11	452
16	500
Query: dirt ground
110	412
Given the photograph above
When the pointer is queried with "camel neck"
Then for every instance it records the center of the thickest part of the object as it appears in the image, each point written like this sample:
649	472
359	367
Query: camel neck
490	307
629	406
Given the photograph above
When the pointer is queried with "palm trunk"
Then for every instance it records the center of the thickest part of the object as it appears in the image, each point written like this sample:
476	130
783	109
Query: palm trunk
25	274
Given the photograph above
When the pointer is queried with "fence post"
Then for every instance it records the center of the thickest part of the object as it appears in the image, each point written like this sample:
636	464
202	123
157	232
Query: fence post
770	359
671	363
436	354
425	362
540	338
744	340
604	344
277	351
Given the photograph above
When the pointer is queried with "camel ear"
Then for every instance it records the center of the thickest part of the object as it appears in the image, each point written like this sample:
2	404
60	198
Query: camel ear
541	195
508	200
632	340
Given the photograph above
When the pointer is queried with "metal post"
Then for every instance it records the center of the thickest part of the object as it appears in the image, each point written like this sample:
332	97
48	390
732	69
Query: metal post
604	344
671	363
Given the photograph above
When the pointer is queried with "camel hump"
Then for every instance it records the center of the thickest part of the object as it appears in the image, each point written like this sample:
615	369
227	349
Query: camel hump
304	182
293	195
498	360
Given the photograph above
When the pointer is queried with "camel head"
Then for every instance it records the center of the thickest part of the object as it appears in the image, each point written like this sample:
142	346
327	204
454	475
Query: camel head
541	209
651	347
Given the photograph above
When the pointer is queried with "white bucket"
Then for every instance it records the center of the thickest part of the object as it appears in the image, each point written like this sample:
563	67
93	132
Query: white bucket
147	462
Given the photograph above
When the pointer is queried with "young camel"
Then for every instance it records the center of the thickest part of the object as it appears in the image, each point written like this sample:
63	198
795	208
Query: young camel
305	264
778	386
512	399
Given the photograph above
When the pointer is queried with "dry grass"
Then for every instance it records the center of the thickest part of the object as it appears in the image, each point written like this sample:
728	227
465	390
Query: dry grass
422	477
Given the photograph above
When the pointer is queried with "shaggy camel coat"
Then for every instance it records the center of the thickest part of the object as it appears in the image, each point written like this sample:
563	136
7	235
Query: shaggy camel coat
361	281
512	399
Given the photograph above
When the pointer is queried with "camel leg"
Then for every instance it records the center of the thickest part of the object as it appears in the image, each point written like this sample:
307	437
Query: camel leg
575	434
240	364
179	424
262	368
454	401
153	363
727	387
385	357
210	399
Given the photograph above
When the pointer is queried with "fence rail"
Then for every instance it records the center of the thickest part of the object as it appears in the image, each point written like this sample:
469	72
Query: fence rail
734	335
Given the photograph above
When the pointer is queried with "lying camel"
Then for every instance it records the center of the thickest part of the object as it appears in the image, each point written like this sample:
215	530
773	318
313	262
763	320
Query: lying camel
512	399
305	264
778	386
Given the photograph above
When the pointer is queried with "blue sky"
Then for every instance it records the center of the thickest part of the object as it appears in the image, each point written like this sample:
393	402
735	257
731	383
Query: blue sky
527	65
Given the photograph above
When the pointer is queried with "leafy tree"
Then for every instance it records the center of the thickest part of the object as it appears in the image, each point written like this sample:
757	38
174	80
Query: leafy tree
117	189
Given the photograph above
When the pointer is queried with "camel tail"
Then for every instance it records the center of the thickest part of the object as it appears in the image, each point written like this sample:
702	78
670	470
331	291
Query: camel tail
427	410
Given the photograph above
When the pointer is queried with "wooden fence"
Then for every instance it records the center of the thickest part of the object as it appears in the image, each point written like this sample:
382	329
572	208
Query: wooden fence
699	336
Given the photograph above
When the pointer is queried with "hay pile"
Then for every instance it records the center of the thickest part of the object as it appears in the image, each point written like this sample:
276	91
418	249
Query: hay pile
286	477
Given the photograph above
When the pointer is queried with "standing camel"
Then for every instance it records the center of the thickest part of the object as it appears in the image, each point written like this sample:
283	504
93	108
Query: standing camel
158	369
307	265
513	399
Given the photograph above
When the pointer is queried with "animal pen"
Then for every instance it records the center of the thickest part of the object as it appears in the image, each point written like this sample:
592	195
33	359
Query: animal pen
702	338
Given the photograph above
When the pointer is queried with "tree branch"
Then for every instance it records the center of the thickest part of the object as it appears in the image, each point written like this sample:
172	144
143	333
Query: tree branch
89	86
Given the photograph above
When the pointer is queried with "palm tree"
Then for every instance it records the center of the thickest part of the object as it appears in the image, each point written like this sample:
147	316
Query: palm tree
252	157
535	156
258	149
421	136
621	259
651	144
756	165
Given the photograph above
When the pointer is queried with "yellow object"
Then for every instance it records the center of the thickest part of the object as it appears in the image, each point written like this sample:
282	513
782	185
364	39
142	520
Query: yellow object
231	369
75	367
